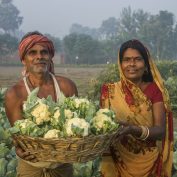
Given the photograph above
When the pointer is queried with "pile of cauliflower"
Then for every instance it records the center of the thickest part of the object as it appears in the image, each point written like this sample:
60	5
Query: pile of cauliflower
68	117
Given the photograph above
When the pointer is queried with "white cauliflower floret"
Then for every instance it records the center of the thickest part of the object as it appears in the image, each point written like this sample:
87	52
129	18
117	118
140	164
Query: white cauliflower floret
24	123
52	134
68	113
101	111
102	123
56	114
100	119
80	101
41	113
77	123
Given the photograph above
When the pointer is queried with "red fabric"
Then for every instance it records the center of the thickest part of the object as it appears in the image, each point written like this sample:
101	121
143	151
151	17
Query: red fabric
104	94
170	125
30	41
128	95
153	93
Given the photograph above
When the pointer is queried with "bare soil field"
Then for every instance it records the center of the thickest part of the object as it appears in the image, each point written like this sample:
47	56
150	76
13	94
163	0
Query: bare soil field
81	76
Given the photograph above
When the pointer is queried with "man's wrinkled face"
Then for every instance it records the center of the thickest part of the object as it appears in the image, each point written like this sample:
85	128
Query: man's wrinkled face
37	59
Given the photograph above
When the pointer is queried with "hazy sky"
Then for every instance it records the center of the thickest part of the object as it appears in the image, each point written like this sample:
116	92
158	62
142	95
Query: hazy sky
57	16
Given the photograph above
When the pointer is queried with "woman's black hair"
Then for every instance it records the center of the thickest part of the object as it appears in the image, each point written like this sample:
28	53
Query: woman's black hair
135	44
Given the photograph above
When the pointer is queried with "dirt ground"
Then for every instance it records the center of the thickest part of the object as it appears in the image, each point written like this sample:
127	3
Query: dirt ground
81	76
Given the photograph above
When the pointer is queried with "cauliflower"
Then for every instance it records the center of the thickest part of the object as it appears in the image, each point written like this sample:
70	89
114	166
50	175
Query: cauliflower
77	126
24	123
102	123
27	127
56	114
41	113
79	101
68	114
52	134
101	111
106	112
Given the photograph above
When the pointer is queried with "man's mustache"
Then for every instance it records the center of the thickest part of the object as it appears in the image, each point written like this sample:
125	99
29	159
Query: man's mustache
42	61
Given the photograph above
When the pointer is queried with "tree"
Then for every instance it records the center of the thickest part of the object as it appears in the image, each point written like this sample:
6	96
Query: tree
9	16
56	41
127	25
159	32
8	45
82	49
79	29
68	46
109	28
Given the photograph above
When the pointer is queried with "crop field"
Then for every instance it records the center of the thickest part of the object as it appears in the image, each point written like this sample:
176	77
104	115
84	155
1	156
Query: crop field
81	76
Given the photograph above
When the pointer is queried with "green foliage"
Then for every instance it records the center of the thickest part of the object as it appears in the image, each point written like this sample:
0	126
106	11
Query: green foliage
56	41
79	29
109	74
8	44
8	160
158	32
82	49
89	169
9	16
167	68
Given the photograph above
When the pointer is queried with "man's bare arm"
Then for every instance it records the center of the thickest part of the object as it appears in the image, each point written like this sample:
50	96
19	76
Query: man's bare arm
67	86
13	106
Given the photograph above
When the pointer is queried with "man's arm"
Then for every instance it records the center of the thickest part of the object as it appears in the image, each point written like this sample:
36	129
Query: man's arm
67	86
13	105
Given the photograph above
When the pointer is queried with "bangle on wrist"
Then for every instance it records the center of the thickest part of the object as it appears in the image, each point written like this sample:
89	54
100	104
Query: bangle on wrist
144	133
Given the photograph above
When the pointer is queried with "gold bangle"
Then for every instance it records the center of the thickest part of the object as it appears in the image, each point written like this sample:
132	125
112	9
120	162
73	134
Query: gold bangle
143	132
147	135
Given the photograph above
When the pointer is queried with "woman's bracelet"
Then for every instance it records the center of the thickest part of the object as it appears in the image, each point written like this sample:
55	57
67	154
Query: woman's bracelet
144	134
147	135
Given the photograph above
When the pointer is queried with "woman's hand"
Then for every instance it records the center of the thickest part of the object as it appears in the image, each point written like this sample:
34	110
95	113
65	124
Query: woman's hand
25	155
125	128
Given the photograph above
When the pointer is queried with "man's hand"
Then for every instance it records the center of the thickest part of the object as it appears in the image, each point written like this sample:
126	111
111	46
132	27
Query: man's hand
25	155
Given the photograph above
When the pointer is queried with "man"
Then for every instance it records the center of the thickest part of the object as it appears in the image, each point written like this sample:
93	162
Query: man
36	52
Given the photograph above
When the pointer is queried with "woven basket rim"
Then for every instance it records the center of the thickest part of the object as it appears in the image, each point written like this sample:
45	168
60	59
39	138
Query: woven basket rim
65	138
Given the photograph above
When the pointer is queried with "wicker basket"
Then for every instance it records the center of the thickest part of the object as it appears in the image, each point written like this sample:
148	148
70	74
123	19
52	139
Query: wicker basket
69	150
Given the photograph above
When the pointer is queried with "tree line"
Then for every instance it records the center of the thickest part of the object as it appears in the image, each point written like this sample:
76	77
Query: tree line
85	45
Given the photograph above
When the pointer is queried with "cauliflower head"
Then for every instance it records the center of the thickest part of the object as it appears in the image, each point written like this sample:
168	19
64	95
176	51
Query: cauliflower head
79	101
102	123
27	127
52	134
41	113
77	126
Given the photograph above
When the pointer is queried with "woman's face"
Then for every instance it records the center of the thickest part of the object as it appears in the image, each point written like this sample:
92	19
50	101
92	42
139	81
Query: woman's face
133	65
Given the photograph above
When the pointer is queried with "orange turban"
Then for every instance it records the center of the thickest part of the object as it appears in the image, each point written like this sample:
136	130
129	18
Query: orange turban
30	41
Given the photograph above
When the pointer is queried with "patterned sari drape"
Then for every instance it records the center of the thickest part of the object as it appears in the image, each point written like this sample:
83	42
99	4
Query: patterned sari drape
132	157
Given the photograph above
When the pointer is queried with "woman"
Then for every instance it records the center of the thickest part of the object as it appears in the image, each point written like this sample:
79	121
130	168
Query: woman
144	145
